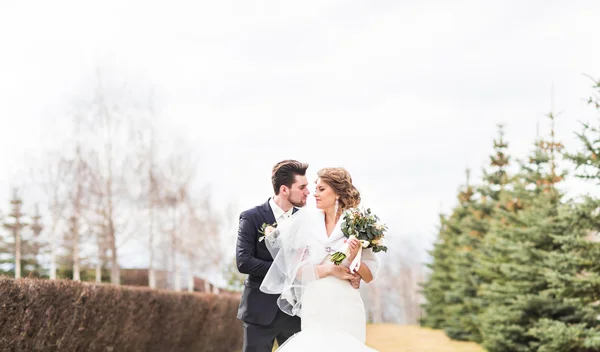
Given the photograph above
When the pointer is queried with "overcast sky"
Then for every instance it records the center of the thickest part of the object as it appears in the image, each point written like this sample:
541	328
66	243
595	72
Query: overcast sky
404	94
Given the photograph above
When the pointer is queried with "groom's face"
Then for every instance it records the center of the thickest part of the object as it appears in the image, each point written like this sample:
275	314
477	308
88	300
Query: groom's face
299	191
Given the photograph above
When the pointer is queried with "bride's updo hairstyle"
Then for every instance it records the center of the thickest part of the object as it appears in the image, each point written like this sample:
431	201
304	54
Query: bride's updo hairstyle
340	180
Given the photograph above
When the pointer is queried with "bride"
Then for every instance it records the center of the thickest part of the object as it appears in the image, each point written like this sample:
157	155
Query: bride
310	285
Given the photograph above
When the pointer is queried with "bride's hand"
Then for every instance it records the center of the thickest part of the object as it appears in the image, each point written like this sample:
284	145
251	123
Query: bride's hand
354	245
340	271
355	281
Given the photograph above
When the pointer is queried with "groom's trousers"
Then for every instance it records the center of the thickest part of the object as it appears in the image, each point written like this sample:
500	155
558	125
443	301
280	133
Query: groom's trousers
260	338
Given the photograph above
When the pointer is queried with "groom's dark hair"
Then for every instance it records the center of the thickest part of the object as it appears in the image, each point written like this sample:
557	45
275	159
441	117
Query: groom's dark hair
284	173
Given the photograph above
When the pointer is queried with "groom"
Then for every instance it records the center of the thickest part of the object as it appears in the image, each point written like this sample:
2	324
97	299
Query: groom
262	320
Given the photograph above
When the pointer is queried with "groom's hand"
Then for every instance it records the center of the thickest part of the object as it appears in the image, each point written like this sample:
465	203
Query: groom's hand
355	281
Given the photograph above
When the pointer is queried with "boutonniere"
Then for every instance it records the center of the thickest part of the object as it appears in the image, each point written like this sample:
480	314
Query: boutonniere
266	230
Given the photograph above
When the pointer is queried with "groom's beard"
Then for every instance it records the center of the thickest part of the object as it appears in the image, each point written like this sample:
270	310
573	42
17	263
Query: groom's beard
297	204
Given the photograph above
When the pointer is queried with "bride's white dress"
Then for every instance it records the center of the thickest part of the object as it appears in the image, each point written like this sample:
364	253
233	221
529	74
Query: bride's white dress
332	311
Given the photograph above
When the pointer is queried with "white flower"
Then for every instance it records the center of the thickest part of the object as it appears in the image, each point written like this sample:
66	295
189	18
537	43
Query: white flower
268	230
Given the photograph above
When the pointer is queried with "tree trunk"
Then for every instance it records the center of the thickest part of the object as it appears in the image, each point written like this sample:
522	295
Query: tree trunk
100	255
17	236
190	285
77	213
151	273
53	250
176	274
115	277
174	262
76	269
177	278
99	271
54	240
190	271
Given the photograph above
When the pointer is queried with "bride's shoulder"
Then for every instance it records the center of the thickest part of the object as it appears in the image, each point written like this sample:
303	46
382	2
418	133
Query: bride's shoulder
310	212
307	215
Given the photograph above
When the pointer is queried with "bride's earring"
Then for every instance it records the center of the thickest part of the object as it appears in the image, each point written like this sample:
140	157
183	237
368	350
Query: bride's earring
337	206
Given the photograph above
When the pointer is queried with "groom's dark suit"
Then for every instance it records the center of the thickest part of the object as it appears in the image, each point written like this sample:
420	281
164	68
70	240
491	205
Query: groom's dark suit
263	322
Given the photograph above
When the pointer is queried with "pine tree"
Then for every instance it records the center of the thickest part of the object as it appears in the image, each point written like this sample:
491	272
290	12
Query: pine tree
21	248
496	178
515	250
463	302
438	283
572	271
587	160
15	224
572	276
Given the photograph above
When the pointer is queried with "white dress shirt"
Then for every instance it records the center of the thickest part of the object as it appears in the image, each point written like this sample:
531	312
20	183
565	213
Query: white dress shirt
278	213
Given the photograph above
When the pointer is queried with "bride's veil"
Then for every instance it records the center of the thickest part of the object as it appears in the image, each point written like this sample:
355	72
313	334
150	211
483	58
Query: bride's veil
295	256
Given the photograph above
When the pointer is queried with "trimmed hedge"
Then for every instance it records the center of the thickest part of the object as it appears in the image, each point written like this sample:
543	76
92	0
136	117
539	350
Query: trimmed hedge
63	315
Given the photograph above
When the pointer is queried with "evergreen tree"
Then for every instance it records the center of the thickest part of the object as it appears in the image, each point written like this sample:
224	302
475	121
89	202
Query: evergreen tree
587	160
572	277
23	243
14	223
515	250
438	284
572	271
463	302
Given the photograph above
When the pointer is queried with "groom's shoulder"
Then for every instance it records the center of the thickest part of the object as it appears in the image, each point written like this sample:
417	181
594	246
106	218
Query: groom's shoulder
255	210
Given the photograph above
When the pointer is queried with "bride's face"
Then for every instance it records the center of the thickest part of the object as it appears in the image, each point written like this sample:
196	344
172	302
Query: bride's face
324	195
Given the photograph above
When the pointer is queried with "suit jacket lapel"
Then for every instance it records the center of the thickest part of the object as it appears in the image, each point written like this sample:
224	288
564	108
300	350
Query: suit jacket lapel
268	214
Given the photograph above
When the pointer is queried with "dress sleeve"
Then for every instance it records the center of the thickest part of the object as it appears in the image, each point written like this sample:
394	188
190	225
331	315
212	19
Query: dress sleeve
371	260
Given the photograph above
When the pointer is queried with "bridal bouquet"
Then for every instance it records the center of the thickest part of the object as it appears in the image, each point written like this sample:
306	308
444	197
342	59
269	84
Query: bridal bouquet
364	226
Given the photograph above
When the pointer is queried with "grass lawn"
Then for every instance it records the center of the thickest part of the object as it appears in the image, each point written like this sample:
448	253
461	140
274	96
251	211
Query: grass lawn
412	338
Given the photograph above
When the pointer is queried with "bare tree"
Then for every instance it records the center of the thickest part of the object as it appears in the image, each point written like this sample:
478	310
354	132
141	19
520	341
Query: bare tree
153	201
178	174
109	112
201	238
54	184
77	211
408	282
231	274
78	174
150	180
376	306
117	146
395	295
172	199
174	202
153	193
35	245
